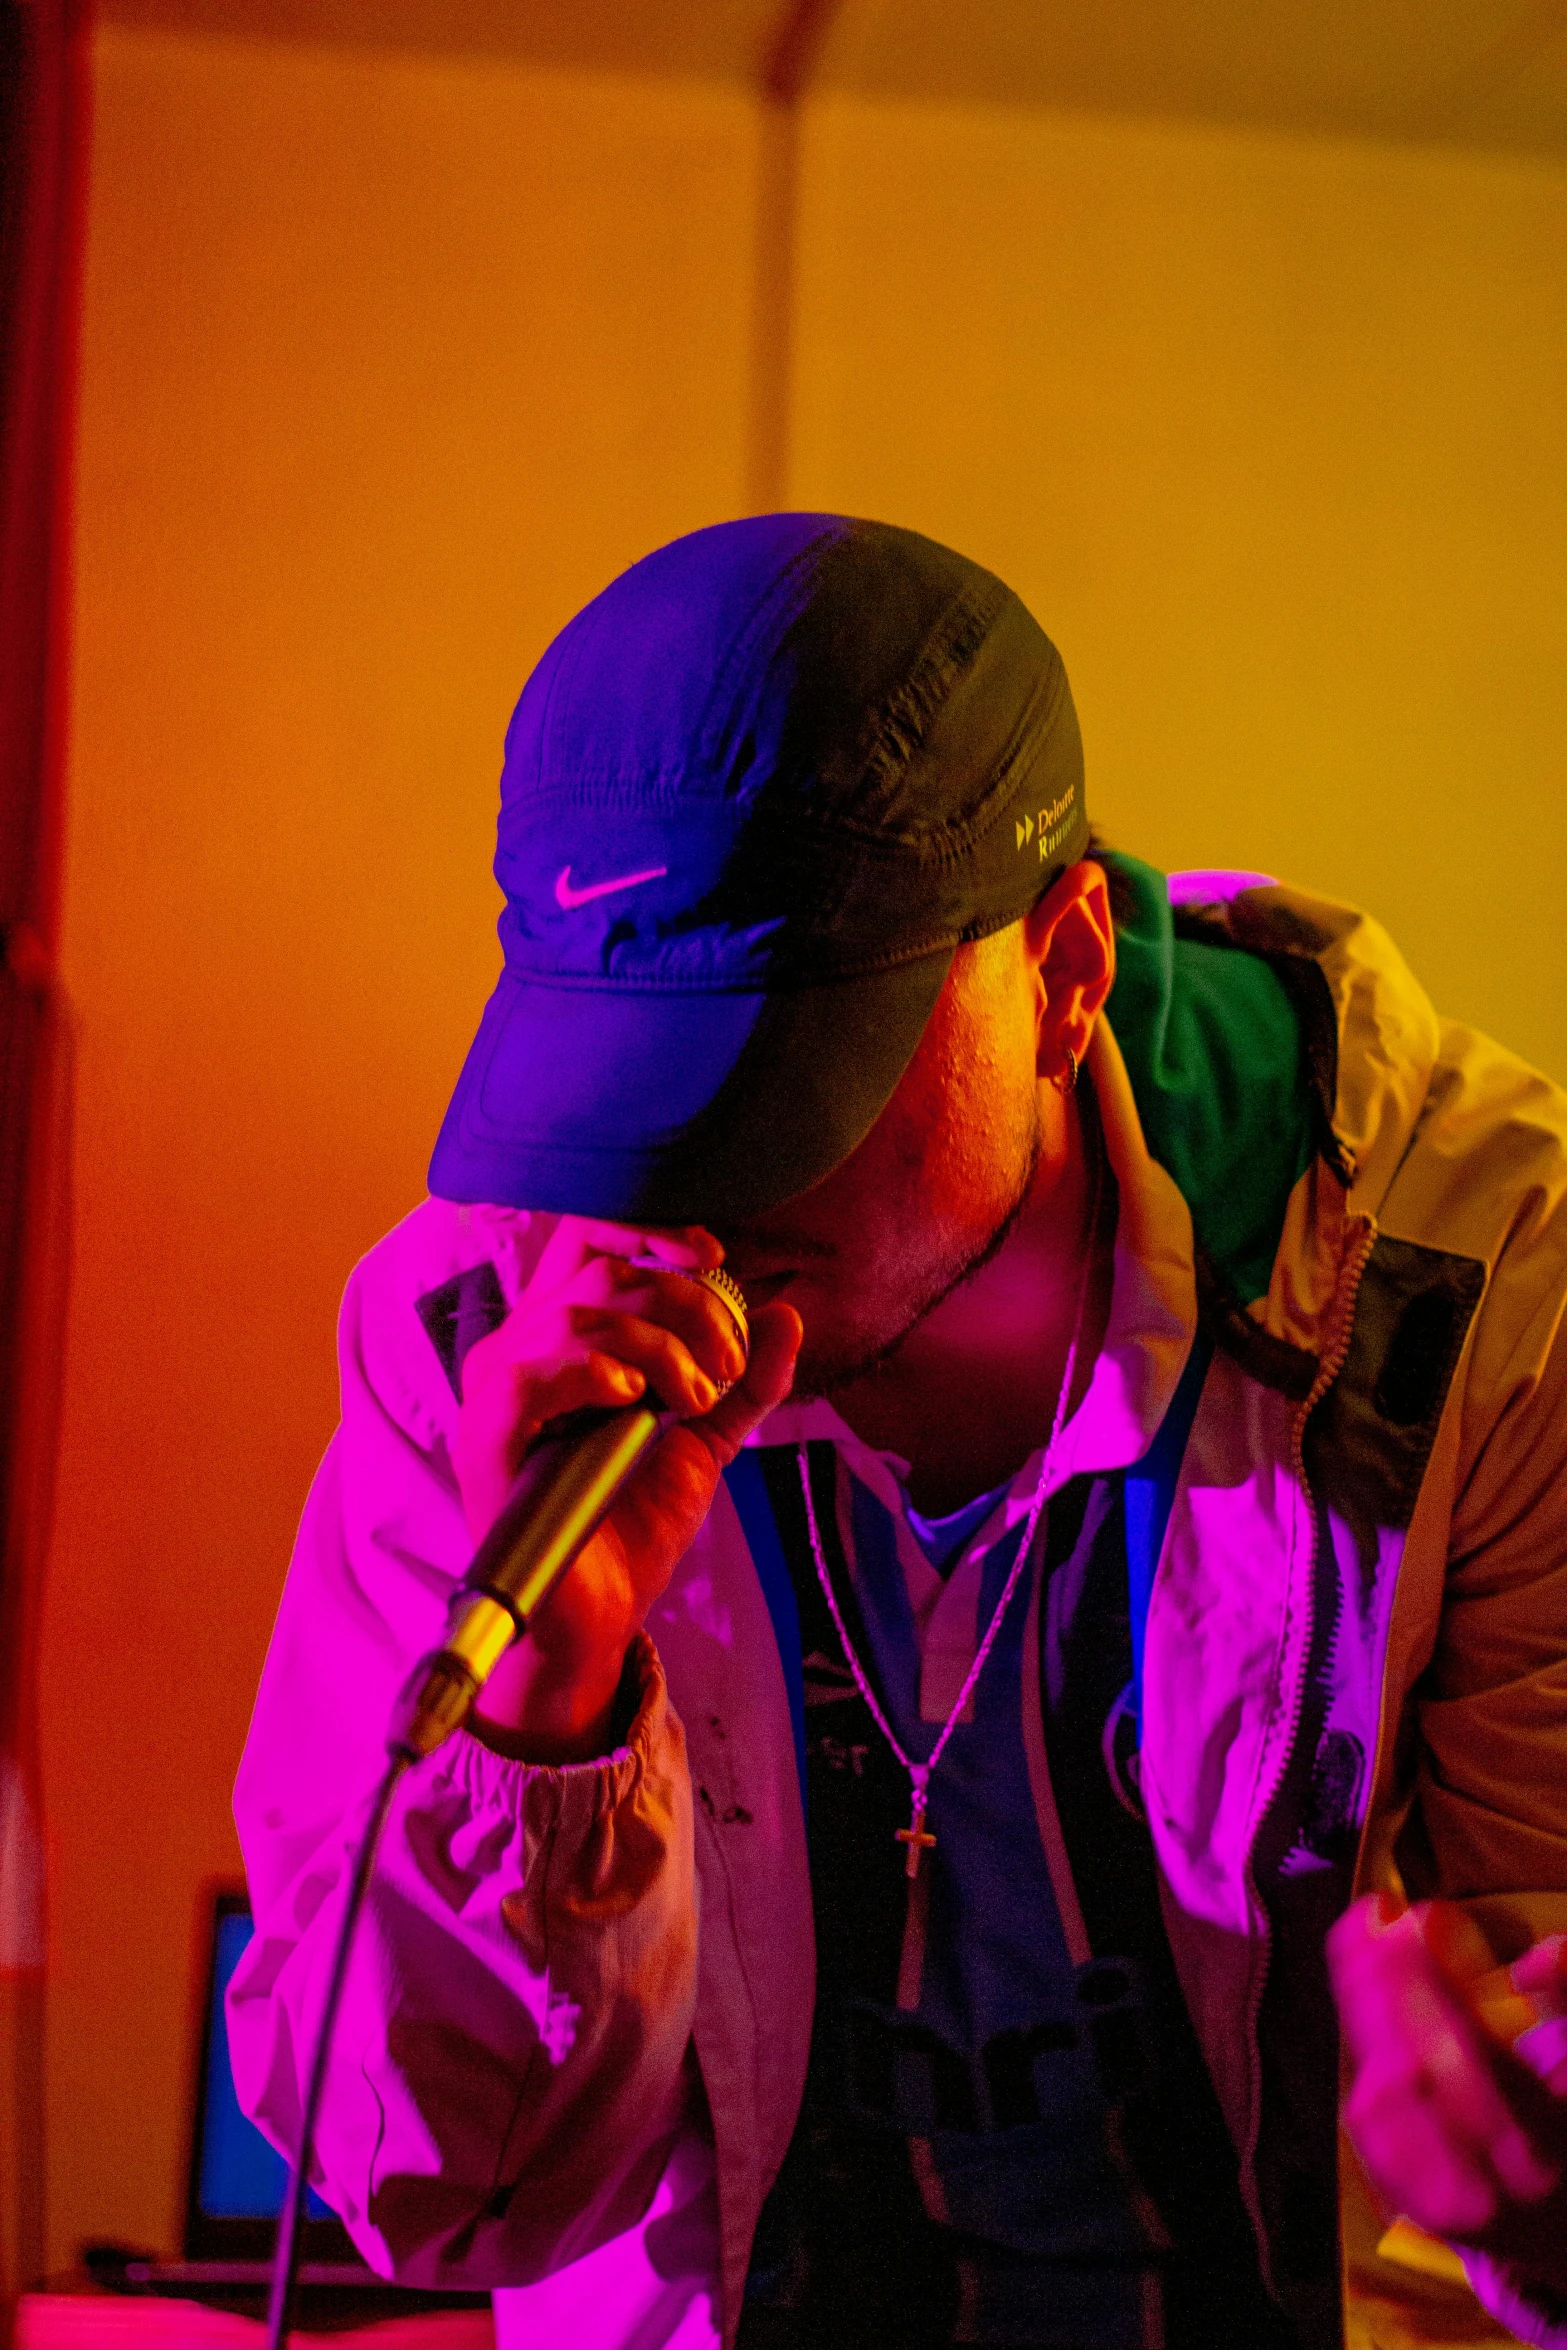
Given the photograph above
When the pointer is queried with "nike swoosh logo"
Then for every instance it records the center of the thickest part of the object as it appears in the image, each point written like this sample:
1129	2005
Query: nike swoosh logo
566	897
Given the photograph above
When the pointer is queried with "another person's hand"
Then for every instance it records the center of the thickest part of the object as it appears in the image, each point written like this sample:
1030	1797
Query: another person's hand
593	1328
1457	2103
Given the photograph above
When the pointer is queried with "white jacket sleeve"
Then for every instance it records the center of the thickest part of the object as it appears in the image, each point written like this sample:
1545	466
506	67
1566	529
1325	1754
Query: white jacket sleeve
510	2065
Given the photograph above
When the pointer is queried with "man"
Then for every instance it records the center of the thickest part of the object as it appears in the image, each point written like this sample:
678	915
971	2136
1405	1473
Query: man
885	1901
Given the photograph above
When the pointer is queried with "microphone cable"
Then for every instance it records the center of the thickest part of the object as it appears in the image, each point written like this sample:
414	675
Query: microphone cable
290	2232
564	1489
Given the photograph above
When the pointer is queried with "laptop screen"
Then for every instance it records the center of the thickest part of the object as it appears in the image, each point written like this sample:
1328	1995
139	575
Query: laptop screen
240	2175
237	2181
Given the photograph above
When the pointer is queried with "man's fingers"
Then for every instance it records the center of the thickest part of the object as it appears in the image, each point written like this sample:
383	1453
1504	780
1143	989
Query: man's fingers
1541	1974
615	1302
1388	1990
1461	1951
1453	2162
683	1244
1431	2109
663	1502
1412	2163
1543	2049
577	1238
693	1310
775	1335
672	1371
1540	1978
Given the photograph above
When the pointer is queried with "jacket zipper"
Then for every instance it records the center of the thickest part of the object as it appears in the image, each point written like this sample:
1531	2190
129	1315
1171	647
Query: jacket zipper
1331	1362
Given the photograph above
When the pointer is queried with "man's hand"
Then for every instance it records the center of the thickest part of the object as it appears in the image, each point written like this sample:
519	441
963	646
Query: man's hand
592	1328
1460	2123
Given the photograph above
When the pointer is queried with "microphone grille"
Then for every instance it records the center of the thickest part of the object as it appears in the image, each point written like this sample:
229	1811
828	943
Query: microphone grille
727	1290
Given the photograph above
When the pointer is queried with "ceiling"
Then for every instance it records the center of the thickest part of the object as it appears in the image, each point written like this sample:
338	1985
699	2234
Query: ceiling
725	40
1474	73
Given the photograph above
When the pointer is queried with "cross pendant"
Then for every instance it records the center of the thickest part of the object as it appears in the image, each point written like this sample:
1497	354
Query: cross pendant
915	1838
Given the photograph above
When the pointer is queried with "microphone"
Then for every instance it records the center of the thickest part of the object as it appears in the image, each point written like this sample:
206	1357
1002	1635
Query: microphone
564	1490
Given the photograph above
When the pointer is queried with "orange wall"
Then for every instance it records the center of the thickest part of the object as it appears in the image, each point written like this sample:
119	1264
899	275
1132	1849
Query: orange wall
1269	432
387	366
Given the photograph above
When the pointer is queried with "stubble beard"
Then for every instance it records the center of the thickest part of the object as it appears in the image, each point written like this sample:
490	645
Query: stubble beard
823	1373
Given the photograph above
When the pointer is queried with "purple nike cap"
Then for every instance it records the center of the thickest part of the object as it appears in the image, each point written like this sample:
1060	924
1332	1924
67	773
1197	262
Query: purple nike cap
754	796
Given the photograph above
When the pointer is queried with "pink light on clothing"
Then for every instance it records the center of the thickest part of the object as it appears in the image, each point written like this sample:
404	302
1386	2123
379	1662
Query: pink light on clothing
1213	886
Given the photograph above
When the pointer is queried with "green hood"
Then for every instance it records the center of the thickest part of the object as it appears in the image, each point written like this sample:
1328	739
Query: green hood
1213	1049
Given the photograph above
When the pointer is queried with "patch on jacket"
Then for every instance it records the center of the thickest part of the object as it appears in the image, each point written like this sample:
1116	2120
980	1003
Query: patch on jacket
458	1314
1420	1358
1370	1438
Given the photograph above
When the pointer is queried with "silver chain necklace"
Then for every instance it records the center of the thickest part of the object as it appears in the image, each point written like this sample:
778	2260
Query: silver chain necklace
915	1835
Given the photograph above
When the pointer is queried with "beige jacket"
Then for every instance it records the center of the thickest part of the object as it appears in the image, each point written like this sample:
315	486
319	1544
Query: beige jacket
577	2024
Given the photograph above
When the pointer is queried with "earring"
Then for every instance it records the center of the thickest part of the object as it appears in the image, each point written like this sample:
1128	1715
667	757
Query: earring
1067	1078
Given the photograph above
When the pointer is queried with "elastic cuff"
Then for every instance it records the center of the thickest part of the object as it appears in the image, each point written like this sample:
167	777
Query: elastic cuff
629	1698
491	1774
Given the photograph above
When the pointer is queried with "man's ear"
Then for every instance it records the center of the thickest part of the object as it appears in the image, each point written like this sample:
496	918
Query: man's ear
1069	939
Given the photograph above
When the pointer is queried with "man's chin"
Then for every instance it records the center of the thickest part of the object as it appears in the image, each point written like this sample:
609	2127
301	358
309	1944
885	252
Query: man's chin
832	1359
825	1369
